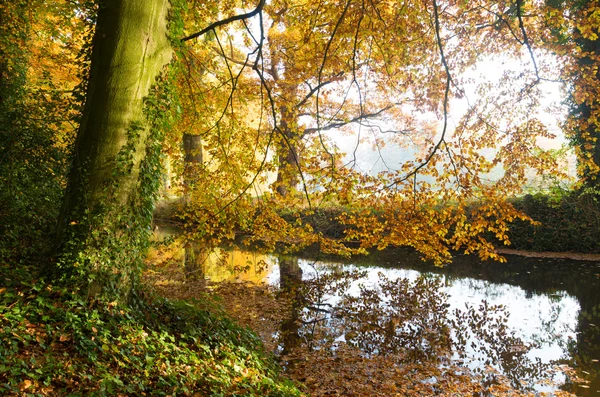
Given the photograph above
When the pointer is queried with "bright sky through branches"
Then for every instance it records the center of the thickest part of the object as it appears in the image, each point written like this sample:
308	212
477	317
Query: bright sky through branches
489	72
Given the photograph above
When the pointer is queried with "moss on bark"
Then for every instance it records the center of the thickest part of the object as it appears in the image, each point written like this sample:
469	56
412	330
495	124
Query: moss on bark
104	223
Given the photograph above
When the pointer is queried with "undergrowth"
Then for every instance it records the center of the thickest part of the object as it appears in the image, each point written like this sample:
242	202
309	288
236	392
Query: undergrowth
54	342
569	221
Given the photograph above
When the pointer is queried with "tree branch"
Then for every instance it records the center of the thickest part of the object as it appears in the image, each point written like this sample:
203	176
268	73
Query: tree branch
526	39
438	39
317	88
234	18
339	124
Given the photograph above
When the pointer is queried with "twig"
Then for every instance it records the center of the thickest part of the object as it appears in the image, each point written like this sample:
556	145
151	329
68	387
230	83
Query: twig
526	40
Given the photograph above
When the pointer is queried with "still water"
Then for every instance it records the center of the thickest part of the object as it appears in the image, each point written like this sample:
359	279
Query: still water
551	305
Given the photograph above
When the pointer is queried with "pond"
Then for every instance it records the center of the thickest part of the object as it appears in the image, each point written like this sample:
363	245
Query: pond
536	313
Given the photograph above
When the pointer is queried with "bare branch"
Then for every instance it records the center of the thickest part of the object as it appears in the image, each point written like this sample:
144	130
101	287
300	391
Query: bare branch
362	117
234	18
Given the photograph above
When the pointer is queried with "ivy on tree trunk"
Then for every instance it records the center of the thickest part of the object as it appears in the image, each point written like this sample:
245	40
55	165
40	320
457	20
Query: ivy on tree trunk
105	220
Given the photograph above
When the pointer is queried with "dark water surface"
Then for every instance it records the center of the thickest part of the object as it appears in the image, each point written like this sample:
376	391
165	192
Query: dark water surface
552	304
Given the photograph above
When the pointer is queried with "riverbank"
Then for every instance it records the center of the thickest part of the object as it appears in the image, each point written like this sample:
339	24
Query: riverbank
567	225
575	256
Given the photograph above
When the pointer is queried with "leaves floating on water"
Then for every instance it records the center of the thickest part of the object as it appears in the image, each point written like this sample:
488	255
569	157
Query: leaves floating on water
338	335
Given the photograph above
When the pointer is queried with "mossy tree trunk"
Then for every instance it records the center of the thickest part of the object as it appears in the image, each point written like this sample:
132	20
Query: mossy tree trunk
105	221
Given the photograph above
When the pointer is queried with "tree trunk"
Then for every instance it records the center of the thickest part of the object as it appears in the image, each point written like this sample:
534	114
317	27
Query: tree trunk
288	174
287	171
192	149
588	133
586	113
104	223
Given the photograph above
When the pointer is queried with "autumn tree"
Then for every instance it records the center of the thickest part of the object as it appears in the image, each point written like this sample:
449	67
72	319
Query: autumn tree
39	44
326	67
216	125
104	225
398	70
444	198
437	201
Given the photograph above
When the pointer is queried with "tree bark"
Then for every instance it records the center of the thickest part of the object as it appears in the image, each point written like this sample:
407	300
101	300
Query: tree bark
588	134
102	202
192	149
288	173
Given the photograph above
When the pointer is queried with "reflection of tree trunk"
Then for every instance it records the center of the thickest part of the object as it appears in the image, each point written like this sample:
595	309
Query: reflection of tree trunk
192	149
195	256
290	278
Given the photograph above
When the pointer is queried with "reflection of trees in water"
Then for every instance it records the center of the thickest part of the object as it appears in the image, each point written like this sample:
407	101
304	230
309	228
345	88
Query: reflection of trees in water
587	346
546	276
399	316
219	264
551	330
484	339
408	320
315	318
195	256
290	281
585	350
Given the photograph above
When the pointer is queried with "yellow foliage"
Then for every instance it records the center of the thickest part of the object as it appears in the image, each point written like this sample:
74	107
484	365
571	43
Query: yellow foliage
359	67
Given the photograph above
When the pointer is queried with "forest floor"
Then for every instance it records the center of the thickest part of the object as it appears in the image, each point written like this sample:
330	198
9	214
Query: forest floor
55	342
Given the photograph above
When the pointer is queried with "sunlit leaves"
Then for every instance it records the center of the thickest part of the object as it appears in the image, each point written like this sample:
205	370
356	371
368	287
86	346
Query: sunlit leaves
374	70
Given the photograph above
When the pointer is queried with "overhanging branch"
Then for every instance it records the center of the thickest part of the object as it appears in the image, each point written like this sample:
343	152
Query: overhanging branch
234	18
357	119
438	39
